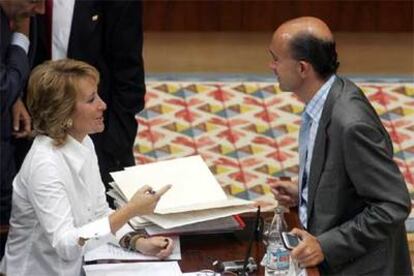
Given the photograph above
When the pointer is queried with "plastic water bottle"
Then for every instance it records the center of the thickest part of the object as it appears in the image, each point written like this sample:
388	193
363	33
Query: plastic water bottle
278	258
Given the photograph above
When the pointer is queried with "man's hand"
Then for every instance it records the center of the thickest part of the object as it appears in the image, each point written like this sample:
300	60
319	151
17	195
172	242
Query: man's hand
21	120
309	252
285	192
21	25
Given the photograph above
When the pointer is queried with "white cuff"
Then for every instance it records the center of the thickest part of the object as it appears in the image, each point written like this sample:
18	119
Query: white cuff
21	40
95	230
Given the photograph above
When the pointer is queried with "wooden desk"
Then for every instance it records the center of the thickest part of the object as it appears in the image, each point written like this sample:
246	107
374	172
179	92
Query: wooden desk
199	251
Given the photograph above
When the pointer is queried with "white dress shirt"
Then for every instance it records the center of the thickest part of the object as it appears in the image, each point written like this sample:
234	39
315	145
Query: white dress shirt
58	197
61	27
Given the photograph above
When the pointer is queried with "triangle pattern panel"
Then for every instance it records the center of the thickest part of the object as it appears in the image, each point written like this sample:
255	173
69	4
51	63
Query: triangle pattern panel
247	131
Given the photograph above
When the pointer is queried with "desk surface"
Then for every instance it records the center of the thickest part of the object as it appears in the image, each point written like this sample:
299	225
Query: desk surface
199	251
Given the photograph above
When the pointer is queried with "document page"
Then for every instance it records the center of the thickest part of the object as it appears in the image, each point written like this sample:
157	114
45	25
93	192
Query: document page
133	269
174	220
111	251
194	187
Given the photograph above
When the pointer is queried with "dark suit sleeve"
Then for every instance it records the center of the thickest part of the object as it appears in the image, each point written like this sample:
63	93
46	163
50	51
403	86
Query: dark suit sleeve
377	180
14	70
124	41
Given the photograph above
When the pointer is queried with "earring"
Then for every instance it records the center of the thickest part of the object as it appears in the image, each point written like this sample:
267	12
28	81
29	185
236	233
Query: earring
68	123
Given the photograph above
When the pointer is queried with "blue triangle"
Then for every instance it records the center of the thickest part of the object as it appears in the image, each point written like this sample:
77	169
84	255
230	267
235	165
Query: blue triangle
148	114
262	94
248	195
404	155
274	133
390	116
184	93
193	132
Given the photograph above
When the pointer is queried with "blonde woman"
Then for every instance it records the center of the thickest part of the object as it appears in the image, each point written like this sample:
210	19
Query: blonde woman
59	210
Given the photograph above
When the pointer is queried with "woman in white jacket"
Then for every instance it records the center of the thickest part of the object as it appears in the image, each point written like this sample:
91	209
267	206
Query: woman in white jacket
59	208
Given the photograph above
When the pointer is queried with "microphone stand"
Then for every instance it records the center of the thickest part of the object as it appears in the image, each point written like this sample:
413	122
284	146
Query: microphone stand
254	235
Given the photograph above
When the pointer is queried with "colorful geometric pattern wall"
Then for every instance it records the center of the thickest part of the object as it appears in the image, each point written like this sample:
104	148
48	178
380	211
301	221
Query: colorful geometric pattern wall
247	131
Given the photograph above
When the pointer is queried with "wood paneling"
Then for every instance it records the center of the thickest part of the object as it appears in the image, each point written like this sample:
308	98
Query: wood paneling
261	15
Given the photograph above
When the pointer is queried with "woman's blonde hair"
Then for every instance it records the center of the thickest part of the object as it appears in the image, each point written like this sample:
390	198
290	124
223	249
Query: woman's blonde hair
52	91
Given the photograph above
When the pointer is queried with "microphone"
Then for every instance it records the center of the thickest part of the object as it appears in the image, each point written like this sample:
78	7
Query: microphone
248	265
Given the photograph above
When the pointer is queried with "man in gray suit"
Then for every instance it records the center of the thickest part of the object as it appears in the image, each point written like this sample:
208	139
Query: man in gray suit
351	196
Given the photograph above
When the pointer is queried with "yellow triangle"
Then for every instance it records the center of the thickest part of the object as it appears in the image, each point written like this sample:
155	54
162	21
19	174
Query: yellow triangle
251	88
235	189
256	149
225	149
261	128
210	127
409	90
297	108
175	150
216	108
245	108
273	170
407	111
267	189
380	109
143	149
166	109
201	88
172	87
277	89
292	128
221	169
181	127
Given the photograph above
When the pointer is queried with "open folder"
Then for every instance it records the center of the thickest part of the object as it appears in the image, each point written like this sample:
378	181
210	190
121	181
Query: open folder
195	194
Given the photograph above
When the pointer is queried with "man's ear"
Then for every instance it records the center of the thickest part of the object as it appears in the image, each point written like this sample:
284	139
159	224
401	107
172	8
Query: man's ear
303	68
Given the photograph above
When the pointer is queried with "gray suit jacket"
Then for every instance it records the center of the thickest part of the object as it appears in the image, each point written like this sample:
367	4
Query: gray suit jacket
358	200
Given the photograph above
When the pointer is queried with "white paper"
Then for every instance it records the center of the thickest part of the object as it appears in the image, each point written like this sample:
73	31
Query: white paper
133	269
219	225
174	220
110	251
194	187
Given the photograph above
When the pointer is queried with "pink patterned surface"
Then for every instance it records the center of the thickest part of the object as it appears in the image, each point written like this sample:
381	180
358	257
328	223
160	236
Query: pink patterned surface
247	131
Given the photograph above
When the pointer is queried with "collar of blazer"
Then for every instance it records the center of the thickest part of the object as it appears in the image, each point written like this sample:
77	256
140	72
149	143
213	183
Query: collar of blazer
320	142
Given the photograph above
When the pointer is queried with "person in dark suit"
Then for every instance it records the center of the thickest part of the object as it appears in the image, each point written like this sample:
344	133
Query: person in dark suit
351	196
107	35
14	71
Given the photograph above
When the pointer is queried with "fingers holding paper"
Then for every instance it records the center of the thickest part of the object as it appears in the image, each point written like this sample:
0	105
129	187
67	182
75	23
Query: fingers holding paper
161	247
285	192
145	200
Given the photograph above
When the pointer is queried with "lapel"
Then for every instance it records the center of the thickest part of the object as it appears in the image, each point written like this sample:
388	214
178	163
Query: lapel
86	16
318	156
33	42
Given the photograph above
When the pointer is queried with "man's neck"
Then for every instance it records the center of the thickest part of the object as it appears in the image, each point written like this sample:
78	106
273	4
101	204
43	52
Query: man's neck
310	88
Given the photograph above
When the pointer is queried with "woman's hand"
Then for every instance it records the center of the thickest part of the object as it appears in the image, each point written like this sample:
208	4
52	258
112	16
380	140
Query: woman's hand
145	200
160	247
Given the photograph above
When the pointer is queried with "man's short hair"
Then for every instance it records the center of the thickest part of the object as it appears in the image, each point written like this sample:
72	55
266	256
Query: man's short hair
318	52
